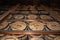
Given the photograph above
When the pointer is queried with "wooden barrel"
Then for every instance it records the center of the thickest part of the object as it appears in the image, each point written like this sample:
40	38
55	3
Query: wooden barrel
36	26
36	38
53	25
8	37
18	25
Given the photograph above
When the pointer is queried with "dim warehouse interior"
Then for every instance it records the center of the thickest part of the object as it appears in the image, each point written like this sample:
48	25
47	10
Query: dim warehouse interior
29	19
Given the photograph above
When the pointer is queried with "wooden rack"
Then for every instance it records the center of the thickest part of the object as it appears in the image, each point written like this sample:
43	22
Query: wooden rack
27	32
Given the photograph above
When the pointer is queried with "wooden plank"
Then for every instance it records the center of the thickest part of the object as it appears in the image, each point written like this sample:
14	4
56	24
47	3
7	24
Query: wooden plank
29	32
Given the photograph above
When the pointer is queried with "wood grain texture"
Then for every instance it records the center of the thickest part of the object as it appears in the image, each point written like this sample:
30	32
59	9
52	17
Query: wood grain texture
29	32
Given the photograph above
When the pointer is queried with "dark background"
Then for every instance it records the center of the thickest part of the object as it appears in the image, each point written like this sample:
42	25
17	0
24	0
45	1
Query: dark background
50	3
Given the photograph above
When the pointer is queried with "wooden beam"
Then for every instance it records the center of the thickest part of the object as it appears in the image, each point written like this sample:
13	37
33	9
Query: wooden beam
29	32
